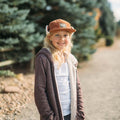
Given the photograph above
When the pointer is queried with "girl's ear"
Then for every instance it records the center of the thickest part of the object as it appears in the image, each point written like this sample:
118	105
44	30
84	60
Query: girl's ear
71	34
49	36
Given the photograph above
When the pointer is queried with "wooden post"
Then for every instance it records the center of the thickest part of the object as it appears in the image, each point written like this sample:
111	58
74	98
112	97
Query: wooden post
32	61
7	62
6	49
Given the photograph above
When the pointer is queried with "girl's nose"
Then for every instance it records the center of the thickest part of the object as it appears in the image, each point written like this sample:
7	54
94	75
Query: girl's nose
62	38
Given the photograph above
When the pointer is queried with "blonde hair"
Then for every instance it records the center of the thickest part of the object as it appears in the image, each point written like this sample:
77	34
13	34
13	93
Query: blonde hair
54	51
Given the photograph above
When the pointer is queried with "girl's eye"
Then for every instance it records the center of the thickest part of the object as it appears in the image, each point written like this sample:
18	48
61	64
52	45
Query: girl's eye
57	35
65	35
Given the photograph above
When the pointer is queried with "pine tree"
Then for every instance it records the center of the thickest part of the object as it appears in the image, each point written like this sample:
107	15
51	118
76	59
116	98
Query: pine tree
17	32
118	29
107	21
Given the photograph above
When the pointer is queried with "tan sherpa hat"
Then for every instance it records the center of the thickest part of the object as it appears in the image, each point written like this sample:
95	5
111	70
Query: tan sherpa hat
59	24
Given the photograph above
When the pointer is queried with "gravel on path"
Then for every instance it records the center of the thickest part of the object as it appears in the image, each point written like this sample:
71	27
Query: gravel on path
100	81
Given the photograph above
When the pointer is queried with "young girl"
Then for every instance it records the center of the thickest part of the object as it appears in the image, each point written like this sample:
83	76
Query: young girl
57	88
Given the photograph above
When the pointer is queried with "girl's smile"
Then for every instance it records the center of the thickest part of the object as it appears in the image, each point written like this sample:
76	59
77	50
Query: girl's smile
60	39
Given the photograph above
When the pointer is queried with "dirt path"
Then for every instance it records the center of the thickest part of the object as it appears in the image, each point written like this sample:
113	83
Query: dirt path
100	82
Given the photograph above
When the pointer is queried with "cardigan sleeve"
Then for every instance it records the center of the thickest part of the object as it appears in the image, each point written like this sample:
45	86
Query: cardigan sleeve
40	96
80	111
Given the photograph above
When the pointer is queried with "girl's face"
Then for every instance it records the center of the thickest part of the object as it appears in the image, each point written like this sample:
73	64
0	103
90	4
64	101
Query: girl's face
60	39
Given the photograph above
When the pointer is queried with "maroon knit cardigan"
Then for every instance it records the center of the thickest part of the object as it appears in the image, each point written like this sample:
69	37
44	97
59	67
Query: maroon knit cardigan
45	89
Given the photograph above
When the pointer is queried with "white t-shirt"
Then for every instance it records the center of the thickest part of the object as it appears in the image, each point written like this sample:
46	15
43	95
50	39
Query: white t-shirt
63	83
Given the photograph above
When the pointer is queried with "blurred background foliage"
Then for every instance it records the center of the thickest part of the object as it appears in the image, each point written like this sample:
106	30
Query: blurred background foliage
22	26
118	29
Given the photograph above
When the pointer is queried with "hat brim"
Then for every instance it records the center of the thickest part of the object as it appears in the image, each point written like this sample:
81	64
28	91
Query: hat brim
71	30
